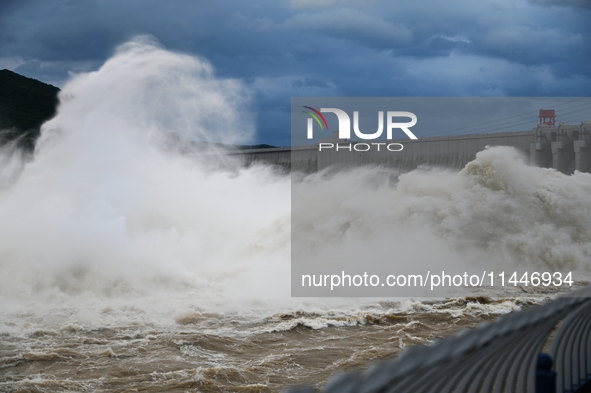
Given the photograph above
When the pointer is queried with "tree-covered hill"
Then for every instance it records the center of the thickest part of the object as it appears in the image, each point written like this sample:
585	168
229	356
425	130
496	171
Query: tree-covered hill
25	104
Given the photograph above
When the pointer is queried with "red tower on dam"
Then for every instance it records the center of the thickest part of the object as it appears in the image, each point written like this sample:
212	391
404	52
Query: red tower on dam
547	117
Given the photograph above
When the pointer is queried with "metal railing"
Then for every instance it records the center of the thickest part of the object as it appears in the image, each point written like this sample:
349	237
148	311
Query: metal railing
499	356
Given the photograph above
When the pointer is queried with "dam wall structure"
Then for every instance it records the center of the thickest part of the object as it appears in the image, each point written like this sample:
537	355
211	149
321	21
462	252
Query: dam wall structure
297	158
565	148
446	152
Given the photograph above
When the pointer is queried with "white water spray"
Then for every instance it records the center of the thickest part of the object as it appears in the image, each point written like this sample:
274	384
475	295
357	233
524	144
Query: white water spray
104	217
104	212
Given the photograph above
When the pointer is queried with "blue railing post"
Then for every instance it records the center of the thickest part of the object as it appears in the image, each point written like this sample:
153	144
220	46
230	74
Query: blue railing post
545	377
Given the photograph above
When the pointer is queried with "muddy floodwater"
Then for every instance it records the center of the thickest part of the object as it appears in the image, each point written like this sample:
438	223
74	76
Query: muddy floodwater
208	352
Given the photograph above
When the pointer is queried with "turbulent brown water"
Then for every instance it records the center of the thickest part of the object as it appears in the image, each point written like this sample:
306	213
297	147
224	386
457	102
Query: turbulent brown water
126	266
210	352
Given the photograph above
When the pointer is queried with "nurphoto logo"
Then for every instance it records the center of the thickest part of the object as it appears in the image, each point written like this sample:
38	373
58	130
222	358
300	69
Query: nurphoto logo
345	123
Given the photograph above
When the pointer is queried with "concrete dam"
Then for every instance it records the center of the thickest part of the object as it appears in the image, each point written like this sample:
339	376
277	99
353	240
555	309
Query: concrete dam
564	147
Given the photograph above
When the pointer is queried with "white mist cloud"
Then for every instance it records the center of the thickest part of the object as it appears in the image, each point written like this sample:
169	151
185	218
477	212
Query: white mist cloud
104	213
497	213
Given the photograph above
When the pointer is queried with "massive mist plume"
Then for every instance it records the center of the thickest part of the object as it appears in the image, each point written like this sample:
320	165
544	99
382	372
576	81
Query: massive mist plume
106	215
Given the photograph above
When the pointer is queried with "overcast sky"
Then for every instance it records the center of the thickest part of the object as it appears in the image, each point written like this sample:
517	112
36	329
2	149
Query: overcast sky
285	48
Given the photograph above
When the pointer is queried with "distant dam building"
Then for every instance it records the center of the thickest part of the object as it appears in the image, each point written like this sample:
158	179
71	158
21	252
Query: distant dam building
563	147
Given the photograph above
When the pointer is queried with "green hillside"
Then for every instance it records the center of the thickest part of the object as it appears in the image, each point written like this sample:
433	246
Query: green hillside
25	104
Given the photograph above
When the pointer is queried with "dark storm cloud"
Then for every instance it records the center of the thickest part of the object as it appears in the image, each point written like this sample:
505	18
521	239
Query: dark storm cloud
351	24
291	48
308	82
